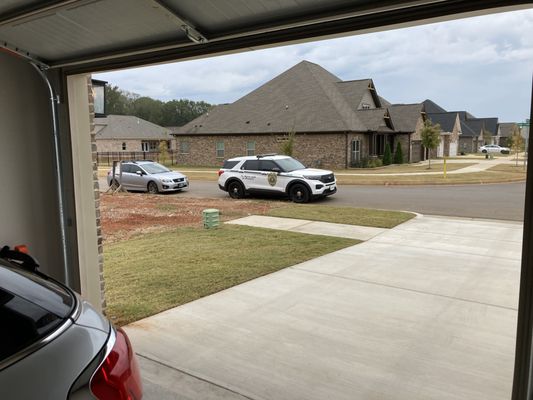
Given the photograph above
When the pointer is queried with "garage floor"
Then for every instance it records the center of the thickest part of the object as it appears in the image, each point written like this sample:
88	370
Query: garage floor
424	311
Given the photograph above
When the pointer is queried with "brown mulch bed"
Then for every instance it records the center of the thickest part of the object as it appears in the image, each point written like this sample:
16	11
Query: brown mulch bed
128	214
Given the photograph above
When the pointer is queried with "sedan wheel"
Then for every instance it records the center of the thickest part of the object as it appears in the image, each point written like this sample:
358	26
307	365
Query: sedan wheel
152	188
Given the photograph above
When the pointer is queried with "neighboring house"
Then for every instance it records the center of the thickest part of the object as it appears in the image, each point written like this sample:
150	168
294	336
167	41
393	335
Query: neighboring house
126	133
506	131
474	132
336	123
450	127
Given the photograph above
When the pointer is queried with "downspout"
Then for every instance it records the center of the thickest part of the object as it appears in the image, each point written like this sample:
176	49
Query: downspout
54	101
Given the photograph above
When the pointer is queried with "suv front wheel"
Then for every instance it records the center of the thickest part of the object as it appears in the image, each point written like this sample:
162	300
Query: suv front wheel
299	193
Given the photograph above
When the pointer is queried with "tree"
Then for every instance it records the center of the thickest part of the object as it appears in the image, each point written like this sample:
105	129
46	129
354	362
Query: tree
170	113
287	145
163	151
387	156
398	155
430	135
516	142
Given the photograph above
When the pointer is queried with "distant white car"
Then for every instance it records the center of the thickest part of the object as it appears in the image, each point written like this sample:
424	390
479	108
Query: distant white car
494	148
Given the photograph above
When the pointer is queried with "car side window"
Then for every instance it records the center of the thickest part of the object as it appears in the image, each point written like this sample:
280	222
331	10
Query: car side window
134	169
251	165
126	168
268	165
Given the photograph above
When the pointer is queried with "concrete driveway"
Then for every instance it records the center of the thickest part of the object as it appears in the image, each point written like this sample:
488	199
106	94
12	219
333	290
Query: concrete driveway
424	311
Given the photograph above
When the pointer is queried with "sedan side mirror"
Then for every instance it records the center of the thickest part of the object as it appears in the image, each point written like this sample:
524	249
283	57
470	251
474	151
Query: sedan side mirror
140	173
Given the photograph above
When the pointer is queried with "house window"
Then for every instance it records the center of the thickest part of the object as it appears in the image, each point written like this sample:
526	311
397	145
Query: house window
250	149
149	145
365	106
184	147
220	149
356	150
123	145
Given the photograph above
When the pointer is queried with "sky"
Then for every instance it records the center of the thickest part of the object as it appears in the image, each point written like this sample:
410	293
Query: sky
483	65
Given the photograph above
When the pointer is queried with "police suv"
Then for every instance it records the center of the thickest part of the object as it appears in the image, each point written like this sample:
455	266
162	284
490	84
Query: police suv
271	173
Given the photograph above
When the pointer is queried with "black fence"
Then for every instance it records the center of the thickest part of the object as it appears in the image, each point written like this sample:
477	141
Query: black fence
107	157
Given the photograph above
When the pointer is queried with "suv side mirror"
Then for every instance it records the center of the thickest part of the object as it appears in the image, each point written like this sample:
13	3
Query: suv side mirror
276	169
140	173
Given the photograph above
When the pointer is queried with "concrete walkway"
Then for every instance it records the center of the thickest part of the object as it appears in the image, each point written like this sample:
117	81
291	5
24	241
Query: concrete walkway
310	227
426	310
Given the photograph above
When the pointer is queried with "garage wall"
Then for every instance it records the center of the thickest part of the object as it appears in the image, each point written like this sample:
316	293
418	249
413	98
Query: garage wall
28	200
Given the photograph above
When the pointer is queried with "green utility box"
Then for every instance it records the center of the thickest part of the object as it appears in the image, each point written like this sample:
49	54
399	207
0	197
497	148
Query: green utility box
211	218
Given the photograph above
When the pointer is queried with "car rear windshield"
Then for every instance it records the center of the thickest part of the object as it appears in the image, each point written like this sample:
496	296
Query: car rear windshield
30	309
229	164
155	168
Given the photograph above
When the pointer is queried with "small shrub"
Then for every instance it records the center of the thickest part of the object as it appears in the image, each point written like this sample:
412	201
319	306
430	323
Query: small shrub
387	156
398	155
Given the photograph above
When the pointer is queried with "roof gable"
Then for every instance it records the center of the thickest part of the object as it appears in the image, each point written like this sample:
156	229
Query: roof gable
405	117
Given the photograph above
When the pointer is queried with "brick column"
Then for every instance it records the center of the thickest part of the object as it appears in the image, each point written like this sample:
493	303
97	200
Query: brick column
96	186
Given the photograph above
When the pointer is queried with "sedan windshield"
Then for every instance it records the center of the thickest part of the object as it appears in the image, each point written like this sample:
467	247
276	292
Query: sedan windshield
155	168
290	164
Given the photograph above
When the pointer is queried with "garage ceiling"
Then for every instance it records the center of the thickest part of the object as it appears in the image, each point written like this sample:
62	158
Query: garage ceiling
92	35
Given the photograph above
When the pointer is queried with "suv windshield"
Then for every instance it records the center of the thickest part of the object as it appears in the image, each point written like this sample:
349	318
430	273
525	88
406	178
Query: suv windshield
290	164
155	168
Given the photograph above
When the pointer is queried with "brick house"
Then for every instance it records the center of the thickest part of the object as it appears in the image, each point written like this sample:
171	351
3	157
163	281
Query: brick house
473	132
450	126
337	124
506	131
126	133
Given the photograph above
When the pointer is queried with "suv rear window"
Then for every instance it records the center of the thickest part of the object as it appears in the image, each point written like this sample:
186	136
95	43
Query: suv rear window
30	309
229	164
251	165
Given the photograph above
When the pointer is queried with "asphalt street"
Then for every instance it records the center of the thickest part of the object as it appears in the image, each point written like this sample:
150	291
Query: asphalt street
493	201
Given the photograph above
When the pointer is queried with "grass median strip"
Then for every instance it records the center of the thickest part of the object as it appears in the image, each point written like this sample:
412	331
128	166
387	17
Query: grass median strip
342	215
155	272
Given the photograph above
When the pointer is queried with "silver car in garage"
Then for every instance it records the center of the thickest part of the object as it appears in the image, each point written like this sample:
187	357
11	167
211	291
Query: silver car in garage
54	345
147	176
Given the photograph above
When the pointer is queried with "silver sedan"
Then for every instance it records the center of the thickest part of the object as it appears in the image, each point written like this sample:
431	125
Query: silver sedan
147	176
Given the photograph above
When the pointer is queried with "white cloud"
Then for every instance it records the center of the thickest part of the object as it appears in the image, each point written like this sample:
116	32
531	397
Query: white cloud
481	64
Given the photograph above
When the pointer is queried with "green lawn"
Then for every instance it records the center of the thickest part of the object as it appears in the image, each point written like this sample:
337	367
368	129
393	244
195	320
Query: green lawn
342	215
155	272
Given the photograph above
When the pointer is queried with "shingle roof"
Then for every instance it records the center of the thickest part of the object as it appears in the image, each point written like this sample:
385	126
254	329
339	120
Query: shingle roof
507	128
445	120
405	116
374	119
432	107
489	124
384	102
129	127
306	98
466	131
476	125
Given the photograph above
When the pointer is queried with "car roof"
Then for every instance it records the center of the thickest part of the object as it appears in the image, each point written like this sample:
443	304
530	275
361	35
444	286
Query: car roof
259	157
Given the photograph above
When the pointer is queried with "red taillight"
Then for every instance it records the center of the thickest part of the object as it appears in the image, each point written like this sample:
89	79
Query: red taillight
220	172
118	377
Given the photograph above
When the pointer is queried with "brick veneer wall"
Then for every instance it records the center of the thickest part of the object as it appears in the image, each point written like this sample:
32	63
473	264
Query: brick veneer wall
326	150
96	187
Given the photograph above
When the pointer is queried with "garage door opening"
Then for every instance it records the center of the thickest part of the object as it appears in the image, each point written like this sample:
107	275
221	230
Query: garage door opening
440	289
